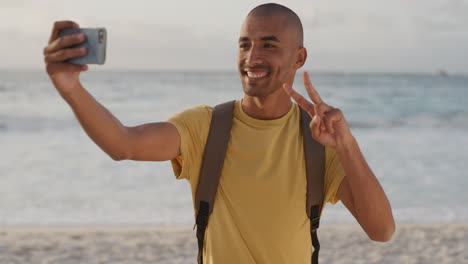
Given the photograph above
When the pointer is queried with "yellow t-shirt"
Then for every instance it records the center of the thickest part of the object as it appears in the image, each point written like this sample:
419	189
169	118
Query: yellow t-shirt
259	212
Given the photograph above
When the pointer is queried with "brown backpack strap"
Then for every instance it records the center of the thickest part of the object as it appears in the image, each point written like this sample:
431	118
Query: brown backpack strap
213	160
314	154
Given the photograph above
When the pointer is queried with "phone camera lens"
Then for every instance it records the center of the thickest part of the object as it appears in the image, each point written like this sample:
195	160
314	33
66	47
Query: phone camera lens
101	36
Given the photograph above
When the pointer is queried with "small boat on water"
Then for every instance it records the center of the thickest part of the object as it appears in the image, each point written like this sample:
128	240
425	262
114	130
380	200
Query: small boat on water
442	73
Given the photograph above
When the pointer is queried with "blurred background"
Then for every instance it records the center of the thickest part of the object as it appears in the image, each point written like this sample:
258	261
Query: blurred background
398	70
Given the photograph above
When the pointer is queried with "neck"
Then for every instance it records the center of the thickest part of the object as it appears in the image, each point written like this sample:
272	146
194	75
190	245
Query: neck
270	107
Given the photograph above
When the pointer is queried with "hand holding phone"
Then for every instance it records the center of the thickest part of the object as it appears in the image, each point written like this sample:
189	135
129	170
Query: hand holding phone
63	51
95	44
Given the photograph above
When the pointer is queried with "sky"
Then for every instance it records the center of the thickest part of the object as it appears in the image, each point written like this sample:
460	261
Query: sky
179	35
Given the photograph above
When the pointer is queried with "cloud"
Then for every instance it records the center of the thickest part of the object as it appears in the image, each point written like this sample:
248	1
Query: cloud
441	23
169	47
438	17
353	35
349	16
307	14
33	22
323	18
7	3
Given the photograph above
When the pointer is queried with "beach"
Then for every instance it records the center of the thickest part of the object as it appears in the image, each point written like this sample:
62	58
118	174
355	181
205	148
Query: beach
64	201
341	243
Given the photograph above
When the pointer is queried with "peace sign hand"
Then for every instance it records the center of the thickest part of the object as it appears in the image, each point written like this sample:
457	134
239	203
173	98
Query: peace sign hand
328	125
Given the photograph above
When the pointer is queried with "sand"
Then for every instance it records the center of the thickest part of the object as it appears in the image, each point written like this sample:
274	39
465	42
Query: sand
426	243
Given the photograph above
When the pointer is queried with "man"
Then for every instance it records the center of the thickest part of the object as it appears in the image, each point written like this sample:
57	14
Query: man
259	215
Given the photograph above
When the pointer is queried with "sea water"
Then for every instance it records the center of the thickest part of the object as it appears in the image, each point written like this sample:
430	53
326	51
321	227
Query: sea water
412	129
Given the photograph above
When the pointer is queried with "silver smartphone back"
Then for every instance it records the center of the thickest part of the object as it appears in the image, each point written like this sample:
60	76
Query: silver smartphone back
96	39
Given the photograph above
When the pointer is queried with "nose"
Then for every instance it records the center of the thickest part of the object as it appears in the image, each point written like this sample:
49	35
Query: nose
254	56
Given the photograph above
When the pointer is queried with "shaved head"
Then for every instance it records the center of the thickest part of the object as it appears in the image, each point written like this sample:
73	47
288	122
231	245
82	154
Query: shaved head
270	49
291	17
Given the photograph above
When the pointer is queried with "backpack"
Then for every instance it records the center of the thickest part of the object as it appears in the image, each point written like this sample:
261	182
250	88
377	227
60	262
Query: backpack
213	159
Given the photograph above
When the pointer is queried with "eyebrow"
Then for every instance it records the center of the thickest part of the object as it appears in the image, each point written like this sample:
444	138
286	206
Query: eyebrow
271	38
266	38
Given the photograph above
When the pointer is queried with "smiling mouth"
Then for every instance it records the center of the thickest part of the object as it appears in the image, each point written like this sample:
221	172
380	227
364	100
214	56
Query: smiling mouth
255	76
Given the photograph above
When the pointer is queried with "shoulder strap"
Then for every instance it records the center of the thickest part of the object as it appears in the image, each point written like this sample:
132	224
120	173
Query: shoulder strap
213	160
314	154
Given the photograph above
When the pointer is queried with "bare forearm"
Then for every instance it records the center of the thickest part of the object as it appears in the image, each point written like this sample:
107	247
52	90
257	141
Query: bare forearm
371	205
100	125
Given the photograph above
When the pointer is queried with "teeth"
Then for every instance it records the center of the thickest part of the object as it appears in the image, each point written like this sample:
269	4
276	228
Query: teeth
256	74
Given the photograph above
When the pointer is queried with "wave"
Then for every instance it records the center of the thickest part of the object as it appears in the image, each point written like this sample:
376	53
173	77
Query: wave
33	124
338	214
424	120
3	127
372	121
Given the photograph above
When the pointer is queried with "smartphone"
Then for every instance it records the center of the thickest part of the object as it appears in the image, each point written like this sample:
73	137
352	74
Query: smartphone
95	43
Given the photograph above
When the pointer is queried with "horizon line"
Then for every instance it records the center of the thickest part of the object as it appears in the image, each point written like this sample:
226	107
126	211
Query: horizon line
441	72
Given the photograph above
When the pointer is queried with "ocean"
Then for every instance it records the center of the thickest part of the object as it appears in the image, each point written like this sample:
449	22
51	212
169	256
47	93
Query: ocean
412	129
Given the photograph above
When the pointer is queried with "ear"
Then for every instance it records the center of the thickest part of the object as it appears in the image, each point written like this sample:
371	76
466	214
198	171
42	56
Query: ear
301	56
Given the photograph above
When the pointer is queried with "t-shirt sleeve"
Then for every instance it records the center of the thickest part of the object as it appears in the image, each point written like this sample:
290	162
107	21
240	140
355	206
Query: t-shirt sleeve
334	175
193	126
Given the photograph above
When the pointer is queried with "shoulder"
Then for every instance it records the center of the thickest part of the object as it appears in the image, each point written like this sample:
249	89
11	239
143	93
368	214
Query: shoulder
199	115
193	124
199	111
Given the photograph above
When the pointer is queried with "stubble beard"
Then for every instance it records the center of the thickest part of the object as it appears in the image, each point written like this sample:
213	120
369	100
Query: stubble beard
258	91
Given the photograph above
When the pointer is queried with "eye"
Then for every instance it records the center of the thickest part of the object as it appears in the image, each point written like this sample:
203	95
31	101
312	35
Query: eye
269	45
244	45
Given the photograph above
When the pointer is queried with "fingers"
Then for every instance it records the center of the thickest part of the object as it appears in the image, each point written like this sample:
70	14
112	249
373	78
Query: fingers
64	42
65	54
64	67
59	25
313	94
315	125
328	125
331	118
322	109
301	101
324	116
56	51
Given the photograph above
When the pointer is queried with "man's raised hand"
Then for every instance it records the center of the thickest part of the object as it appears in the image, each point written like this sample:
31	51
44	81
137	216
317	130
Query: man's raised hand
328	124
63	75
